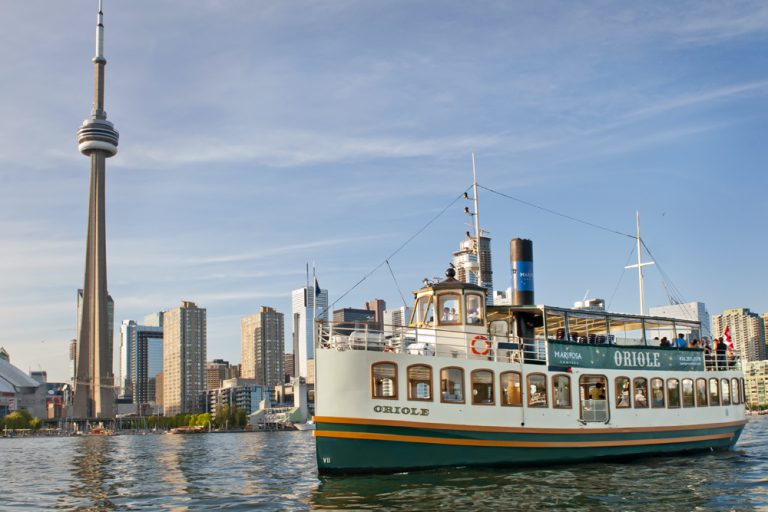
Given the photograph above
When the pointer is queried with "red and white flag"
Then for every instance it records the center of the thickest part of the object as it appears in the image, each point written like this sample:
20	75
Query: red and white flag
727	334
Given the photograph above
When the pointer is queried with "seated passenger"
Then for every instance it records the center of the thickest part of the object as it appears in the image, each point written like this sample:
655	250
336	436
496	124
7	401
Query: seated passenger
446	315
597	392
640	399
473	317
665	342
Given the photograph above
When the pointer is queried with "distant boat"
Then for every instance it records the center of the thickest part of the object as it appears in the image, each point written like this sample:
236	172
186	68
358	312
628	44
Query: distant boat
310	425
187	430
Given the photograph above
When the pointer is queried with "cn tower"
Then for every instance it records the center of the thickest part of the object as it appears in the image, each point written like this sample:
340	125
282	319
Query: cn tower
94	396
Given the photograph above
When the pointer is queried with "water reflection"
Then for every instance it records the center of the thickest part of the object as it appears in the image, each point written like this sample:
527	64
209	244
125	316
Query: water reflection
91	482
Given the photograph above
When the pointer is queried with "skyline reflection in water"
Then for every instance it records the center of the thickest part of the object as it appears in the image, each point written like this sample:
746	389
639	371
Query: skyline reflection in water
276	471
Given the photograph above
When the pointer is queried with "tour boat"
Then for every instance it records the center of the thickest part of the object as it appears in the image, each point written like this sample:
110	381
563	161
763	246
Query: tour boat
465	383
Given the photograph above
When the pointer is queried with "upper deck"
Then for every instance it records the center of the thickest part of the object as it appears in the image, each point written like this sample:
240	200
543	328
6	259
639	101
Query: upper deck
451	319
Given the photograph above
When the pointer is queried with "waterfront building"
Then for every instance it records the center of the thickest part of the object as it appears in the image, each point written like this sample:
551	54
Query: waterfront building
241	393
215	373
288	367
21	391
473	266
756	382
262	345
378	306
141	358
747	331
696	311
395	318
97	139
303	321
184	355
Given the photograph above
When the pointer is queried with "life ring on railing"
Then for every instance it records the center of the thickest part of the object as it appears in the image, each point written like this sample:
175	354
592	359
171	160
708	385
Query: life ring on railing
486	346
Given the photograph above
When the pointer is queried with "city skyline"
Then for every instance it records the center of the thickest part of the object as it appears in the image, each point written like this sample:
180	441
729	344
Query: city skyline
251	142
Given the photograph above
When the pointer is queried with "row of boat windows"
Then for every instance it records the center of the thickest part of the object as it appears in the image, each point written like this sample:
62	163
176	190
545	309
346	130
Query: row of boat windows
638	393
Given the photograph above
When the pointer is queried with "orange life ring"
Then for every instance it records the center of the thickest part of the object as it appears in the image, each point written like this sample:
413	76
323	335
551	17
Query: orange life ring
486	347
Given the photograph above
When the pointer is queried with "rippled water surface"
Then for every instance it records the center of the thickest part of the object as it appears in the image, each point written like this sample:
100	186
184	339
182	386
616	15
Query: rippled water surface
276	471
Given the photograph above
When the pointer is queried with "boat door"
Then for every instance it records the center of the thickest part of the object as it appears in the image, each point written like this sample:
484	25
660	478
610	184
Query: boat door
593	399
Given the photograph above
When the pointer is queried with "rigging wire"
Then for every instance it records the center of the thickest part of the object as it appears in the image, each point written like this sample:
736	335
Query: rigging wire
400	248
559	214
396	284
676	294
623	271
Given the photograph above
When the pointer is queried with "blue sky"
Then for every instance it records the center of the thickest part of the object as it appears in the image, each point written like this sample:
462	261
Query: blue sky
257	136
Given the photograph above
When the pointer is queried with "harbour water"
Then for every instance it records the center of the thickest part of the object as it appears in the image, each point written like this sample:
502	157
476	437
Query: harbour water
276	471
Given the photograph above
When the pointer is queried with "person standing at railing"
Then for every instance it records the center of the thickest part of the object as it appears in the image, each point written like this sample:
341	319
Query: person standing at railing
707	353
680	342
721	350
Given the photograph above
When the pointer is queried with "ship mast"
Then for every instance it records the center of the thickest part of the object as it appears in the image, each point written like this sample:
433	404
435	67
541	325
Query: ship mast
477	220
640	264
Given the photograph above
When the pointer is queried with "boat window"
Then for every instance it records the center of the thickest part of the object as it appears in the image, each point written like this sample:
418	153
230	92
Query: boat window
384	380
475	315
419	382
657	393
714	392
449	309
587	328
688	398
555	325
593	393
743	392
673	393
511	394
626	331
655	330
537	390
561	392
701	392
429	316
735	390
482	387
452	385
417	318
623	393
641	393
726	388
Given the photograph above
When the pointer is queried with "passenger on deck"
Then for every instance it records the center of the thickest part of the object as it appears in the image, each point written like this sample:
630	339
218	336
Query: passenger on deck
446	315
680	342
721	350
665	342
694	343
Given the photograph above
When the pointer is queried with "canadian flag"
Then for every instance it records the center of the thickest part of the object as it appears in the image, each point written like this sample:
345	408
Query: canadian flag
727	334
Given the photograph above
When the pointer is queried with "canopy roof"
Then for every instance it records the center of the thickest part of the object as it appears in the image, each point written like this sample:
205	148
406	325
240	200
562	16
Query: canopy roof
14	377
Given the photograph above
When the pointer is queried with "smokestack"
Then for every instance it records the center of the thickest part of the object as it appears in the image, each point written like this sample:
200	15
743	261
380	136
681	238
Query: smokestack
521	260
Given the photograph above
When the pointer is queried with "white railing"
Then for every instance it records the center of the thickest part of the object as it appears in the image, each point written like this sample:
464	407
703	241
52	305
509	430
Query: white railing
428	342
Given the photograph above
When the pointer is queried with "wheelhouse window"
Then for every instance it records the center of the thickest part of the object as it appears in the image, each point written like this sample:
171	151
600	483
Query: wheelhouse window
482	387
448	309
737	399
537	390
419	382
384	380
701	392
561	392
511	392
452	385
593	393
475	309
419	311
623	393
688	398
657	393
673	393
726	392
641	393
714	392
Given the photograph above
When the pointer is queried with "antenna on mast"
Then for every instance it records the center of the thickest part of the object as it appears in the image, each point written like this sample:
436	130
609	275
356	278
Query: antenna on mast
640	264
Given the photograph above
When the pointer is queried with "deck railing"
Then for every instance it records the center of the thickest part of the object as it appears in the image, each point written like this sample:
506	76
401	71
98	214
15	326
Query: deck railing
343	336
